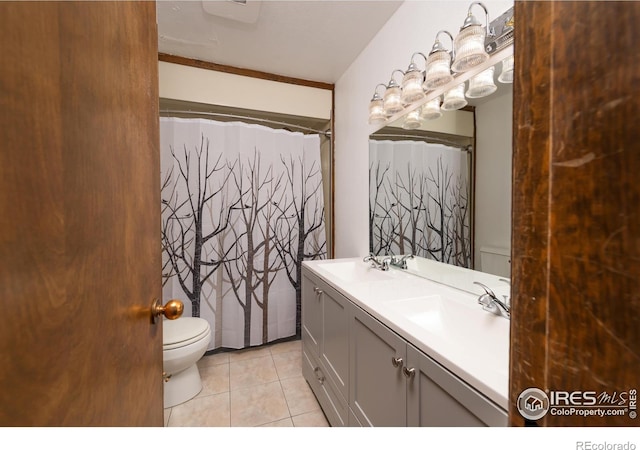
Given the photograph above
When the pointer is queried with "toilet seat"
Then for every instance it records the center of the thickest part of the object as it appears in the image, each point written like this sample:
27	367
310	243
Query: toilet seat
183	332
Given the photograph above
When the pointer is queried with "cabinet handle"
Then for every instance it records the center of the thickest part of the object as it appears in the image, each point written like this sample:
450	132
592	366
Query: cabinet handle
397	362
409	373
319	377
317	291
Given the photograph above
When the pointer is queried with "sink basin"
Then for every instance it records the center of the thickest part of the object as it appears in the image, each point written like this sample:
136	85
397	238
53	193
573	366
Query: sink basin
454	323
354	271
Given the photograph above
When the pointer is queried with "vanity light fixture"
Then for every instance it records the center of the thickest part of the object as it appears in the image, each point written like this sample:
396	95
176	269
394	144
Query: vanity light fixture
506	76
412	82
469	45
431	110
412	121
482	84
438	71
391	99
376	108
446	71
454	98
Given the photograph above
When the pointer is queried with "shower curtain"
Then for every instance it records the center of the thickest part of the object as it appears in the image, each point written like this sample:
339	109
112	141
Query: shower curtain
419	201
242	206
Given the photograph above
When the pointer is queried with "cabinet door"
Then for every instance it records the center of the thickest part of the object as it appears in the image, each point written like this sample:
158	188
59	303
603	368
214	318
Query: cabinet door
311	313
353	420
377	394
334	344
438	398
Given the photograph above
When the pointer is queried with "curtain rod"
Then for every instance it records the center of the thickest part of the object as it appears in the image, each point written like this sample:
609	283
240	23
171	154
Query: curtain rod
326	133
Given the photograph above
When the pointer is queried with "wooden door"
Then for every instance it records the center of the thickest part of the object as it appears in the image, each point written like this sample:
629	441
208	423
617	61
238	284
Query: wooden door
575	320
79	215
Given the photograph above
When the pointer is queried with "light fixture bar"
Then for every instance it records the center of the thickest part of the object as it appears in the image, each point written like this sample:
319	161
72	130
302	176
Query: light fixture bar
503	32
459	78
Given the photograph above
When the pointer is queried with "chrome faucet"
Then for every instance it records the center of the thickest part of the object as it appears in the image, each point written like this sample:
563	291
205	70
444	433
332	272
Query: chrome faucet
382	265
507	298
491	303
369	257
400	262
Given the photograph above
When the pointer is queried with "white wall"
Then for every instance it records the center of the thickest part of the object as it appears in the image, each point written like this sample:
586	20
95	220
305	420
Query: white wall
493	173
457	122
412	28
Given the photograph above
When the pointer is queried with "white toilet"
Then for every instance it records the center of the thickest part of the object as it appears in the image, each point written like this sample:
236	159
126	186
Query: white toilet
184	341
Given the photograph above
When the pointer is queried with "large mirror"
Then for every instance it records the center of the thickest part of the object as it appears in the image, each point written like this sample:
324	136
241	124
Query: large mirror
441	189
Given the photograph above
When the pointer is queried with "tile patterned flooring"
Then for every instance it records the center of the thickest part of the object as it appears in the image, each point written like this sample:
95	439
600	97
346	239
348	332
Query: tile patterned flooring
249	388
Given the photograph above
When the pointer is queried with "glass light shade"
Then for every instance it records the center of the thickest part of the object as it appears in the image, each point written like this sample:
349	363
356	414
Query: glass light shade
454	99
431	110
506	76
392	102
482	84
412	121
469	48
438	71
412	87
376	112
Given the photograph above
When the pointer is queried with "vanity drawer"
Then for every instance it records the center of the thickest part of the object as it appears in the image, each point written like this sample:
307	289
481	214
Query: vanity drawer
333	405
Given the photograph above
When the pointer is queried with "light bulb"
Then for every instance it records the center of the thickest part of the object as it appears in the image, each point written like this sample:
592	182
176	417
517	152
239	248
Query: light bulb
482	84
454	98
431	110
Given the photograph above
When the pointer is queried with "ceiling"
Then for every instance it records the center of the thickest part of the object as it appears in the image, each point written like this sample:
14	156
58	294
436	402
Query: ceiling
311	40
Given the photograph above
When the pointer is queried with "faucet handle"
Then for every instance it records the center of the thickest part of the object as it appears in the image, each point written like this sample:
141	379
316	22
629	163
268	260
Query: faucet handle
487	289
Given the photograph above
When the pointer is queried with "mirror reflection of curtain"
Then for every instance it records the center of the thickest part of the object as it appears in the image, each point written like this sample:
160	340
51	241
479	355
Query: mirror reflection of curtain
242	206
420	201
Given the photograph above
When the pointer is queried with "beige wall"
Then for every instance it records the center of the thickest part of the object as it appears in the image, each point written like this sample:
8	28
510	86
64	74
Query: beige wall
193	84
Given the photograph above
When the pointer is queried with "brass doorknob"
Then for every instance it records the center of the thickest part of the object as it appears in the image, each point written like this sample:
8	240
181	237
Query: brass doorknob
172	310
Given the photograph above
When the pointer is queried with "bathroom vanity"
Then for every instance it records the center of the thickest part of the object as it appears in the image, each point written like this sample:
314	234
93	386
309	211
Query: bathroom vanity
388	348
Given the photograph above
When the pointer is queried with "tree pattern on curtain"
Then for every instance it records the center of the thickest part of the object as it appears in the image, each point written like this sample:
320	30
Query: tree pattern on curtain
419	201
237	222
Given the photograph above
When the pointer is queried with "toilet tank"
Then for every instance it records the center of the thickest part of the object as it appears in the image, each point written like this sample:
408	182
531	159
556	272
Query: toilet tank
496	261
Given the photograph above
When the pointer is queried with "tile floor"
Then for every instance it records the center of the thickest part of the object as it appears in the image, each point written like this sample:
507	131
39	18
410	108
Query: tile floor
251	388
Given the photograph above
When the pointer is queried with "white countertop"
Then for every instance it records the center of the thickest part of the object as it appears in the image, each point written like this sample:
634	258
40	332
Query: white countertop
446	323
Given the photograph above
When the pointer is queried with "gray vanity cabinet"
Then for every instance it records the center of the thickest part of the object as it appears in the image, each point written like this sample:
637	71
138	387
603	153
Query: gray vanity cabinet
395	384
325	333
438	398
378	387
311	314
365	374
